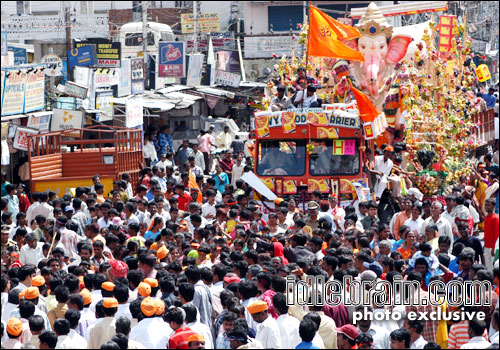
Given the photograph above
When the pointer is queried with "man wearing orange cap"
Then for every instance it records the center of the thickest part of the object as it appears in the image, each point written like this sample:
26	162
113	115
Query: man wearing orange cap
196	341
151	331
103	330
144	289
14	329
268	332
30	294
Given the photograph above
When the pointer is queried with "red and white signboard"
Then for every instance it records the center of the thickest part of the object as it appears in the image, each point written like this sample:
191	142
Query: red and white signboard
21	138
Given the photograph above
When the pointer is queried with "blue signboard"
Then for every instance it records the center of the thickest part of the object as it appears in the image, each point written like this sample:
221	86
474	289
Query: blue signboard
83	56
20	55
171	59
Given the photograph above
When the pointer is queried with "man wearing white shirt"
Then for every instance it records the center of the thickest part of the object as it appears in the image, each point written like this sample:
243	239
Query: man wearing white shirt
443	225
199	158
208	209
42	209
268	331
104	221
448	211
415	328
151	332
379	335
196	326
76	340
307	98
415	222
237	170
288	325
383	168
476	330
121	293
217	287
29	212
224	139
31	252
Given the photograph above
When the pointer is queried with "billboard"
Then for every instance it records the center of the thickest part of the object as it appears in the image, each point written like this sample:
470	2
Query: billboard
195	70
107	54
13	92
207	23
63	119
125	84
20	55
172	59
34	97
84	56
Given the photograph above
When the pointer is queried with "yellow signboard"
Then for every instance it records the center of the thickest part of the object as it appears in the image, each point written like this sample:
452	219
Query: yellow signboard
62	186
206	22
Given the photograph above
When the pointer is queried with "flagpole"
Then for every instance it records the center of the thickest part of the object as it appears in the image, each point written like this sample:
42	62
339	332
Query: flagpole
307	42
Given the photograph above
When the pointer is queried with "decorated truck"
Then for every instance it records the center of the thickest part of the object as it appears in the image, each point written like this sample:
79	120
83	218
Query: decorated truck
299	151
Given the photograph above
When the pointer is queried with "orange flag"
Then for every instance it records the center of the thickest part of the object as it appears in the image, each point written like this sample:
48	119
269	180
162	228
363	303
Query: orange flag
193	184
367	111
325	35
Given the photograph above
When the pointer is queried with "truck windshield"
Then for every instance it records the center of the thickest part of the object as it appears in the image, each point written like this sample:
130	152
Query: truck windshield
281	158
135	39
334	157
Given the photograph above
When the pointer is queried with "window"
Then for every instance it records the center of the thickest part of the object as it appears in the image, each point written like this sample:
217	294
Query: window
324	162
281	158
284	18
135	39
166	36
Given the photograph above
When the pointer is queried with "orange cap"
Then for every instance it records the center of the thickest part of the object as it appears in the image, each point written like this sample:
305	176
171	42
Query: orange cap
153	282
109	286
144	289
110	302
162	252
38	281
22	294
14	327
257	306
160	307
31	293
389	149
148	306
87	297
196	337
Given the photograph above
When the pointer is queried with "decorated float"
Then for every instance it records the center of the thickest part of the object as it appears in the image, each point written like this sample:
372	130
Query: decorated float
378	85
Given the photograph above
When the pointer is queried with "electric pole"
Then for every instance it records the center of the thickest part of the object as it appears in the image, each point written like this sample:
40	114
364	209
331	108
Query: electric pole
67	27
145	41
195	26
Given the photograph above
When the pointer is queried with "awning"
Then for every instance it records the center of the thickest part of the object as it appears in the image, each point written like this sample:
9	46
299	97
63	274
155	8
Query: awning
157	104
179	99
27	115
173	88
13	117
215	92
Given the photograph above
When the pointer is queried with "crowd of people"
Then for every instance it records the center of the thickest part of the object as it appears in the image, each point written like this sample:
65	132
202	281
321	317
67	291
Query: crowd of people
179	263
188	259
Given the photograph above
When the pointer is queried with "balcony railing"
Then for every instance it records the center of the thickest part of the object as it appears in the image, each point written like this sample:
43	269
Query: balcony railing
53	27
